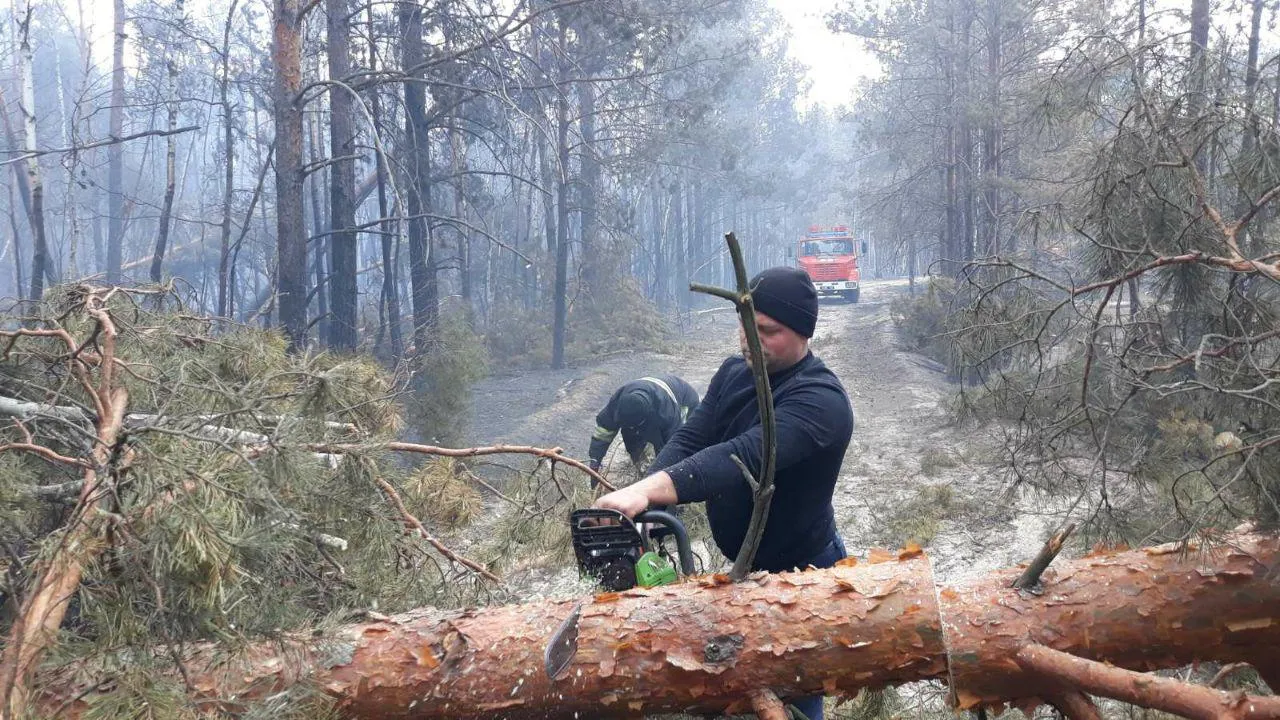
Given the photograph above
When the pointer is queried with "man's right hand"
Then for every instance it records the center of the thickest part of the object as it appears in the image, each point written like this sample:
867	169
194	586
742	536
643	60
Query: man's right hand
629	501
657	489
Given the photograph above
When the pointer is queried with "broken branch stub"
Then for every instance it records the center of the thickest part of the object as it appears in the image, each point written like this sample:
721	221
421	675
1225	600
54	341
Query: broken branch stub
1030	578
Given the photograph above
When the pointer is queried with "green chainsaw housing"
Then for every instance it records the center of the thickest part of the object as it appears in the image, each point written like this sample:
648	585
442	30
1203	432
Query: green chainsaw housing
653	570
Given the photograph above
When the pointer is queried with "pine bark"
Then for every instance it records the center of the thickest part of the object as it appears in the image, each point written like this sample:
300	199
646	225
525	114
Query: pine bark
291	235
708	645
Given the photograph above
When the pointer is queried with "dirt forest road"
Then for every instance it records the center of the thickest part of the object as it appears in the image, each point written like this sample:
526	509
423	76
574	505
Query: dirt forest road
909	473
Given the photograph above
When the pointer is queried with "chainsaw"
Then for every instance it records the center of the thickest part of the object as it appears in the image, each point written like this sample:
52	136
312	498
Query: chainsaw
622	553
619	553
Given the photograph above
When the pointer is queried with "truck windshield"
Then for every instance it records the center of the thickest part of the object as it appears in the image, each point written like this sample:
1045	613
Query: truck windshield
826	247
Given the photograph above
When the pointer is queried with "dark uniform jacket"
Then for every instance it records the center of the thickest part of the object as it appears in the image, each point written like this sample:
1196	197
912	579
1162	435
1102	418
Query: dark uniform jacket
671	400
814	425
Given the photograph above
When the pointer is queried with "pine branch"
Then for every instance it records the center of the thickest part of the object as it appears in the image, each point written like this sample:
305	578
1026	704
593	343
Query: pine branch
417	526
1143	689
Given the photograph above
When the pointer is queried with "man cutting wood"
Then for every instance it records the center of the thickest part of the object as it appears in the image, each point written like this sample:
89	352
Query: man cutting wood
814	423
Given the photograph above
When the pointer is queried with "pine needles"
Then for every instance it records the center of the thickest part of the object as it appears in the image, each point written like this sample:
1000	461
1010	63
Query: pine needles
221	525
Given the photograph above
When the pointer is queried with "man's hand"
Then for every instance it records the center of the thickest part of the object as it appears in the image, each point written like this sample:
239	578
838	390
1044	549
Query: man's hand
629	501
657	489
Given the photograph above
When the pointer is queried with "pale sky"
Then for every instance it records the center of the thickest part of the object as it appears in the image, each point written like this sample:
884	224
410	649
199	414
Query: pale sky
836	62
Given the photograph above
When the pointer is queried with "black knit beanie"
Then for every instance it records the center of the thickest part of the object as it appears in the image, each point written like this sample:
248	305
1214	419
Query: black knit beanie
787	295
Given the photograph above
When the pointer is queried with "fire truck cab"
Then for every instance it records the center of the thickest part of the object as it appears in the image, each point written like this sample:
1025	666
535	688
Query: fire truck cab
830	257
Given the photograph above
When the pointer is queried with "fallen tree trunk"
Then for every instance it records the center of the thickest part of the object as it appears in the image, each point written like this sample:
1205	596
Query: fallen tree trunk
709	645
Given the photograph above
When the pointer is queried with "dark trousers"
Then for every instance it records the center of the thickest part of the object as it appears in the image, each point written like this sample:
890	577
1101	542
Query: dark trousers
811	705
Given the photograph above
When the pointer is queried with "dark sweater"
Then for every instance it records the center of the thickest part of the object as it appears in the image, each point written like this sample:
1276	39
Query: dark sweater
666	415
814	424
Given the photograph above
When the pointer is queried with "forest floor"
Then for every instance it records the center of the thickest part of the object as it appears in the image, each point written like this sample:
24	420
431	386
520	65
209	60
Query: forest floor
911	473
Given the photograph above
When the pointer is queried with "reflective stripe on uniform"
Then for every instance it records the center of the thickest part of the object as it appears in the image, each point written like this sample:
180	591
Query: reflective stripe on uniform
665	387
604	434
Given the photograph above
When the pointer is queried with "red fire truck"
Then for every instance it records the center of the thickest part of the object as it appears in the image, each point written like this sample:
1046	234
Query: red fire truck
830	257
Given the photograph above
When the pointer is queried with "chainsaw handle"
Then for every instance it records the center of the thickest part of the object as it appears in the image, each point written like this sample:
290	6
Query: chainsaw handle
672	523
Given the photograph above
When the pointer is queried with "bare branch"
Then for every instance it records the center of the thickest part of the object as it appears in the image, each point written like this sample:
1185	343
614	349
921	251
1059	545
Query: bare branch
416	525
555	455
28	154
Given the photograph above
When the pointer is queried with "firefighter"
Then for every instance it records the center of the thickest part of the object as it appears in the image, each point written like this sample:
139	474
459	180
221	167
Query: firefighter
647	412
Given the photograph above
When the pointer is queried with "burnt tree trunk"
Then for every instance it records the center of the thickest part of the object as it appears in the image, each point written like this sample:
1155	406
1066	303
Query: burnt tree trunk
170	162
992	135
679	257
343	325
229	160
417	168
708	645
390	229
291	235
601	271
659	254
115	153
560	290
317	293
964	71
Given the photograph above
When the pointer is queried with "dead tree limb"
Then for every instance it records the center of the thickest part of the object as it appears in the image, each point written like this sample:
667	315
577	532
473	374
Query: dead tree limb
1149	691
27	154
23	410
707	644
415	525
555	455
148	422
762	489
